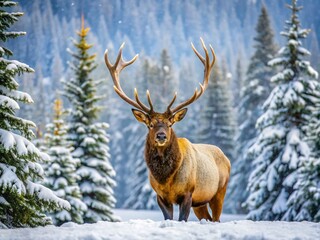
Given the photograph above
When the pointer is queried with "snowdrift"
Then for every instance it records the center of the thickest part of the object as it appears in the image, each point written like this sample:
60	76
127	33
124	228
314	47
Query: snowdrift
158	229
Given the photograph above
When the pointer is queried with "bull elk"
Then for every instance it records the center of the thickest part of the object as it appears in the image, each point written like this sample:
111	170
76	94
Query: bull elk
180	172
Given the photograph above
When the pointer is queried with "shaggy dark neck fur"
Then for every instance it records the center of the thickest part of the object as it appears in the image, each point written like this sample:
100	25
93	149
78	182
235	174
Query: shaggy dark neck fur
162	161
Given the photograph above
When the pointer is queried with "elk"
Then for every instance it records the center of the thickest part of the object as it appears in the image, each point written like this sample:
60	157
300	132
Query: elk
180	172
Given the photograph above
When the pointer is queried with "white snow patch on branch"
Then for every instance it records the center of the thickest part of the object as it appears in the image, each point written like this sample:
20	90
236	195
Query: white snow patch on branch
46	194
10	140
8	102
280	204
9	179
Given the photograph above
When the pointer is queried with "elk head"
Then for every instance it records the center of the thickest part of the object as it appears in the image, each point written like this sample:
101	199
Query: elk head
159	124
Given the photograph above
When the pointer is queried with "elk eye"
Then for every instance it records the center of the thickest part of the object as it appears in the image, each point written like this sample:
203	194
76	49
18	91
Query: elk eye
151	125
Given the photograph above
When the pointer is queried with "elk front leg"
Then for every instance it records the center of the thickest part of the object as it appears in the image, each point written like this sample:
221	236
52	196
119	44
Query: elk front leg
184	206
166	208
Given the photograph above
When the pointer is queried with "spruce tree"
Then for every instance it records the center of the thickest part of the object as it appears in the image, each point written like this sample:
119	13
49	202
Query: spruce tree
22	199
281	146
254	92
89	138
167	80
60	171
304	202
217	121
159	79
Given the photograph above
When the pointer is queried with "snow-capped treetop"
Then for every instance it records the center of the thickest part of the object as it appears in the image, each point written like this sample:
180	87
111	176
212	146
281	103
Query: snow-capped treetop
292	54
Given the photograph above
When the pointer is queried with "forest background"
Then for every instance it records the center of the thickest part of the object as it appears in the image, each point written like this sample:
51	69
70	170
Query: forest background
161	32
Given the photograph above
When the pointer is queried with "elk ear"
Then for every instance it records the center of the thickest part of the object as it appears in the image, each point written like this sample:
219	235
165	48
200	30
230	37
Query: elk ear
178	116
141	116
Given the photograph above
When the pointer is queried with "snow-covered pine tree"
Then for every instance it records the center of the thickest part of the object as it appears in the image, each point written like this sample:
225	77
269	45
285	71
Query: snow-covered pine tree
217	122
22	200
281	147
60	170
238	81
304	202
158	74
119	119
89	139
254	92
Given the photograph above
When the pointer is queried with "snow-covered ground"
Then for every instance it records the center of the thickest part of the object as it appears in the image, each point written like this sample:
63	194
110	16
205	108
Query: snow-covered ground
149	225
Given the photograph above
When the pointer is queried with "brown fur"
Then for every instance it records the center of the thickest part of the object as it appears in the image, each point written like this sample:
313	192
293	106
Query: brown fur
189	175
162	162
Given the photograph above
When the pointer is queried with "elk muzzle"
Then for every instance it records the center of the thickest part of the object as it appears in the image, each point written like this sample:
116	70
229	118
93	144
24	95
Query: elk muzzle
161	138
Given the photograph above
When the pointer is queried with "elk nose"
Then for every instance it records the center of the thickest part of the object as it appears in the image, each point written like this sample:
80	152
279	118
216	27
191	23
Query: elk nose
161	136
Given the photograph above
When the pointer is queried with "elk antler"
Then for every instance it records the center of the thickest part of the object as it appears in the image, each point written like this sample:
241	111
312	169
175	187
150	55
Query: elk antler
207	70
115	70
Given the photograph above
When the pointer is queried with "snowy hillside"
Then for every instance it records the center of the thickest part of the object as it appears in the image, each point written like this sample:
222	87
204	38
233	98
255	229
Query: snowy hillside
147	225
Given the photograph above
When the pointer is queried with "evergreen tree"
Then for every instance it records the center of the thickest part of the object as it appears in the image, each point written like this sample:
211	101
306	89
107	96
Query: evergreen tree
281	147
160	80
238	81
168	85
254	92
89	139
304	202
22	200
119	160
60	170
217	122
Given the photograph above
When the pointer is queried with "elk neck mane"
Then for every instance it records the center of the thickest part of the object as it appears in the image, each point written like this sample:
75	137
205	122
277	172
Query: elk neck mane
163	161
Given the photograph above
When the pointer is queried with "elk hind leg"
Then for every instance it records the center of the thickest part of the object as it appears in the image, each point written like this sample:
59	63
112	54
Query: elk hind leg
216	203
202	212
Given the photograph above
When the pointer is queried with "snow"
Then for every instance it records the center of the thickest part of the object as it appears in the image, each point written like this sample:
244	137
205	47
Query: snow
285	74
8	102
46	194
149	225
280	204
11	67
313	72
303	51
277	61
9	179
91	173
10	140
89	141
293	42
298	86
17	95
14	64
